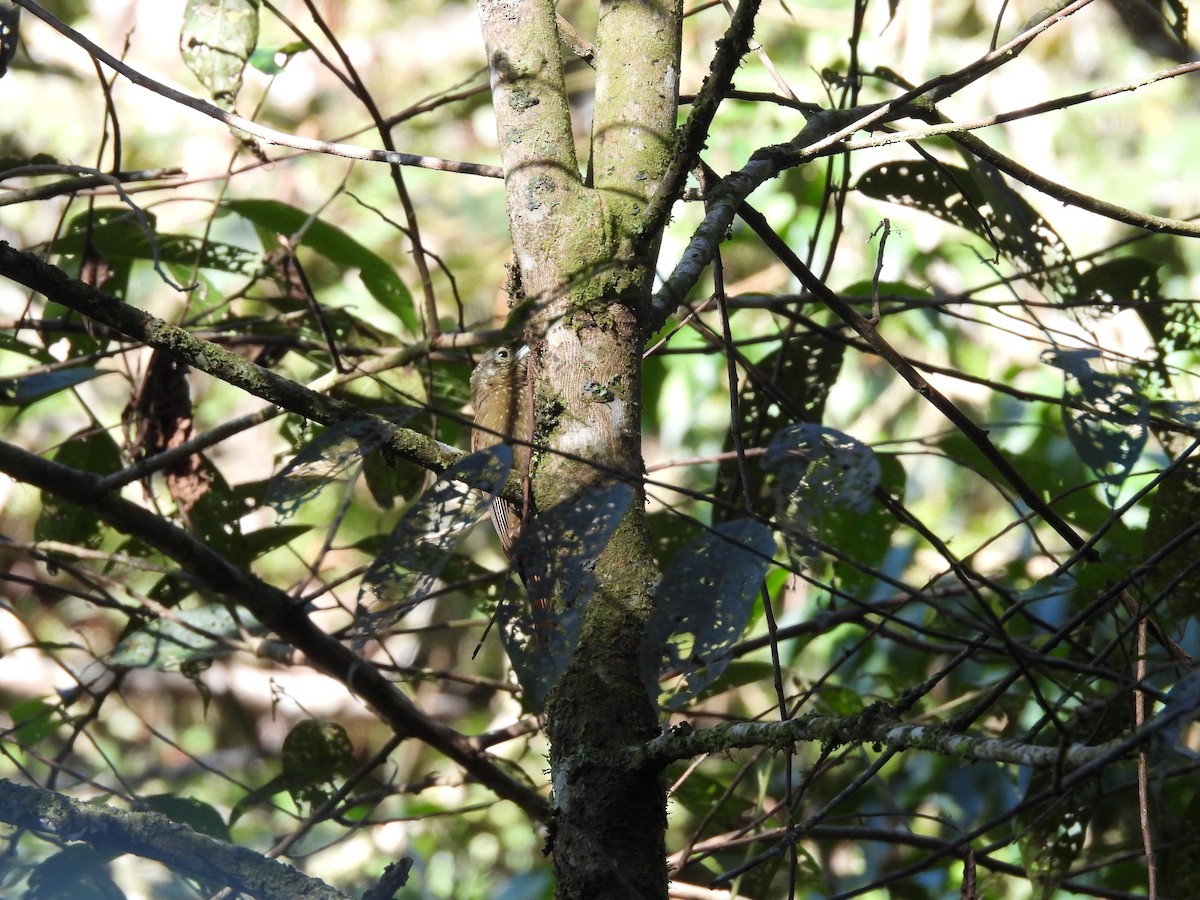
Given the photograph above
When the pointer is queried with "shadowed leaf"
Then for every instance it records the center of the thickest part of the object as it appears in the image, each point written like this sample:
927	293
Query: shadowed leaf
702	605
822	478
325	458
408	567
557	551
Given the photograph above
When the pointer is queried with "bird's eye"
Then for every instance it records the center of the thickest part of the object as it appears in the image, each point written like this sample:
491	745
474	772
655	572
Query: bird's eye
502	353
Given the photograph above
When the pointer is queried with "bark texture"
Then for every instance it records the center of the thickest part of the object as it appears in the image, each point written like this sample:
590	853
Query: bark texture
588	288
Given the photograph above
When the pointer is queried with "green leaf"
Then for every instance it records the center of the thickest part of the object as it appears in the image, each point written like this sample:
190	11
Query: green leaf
866	535
315	755
190	635
117	236
216	41
336	246
386	481
886	288
839	701
256	797
63	521
33	720
273	60
702	605
215	517
738	674
196	814
12	344
22	390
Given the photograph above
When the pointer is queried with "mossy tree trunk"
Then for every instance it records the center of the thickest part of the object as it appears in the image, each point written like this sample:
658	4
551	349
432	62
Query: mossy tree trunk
586	266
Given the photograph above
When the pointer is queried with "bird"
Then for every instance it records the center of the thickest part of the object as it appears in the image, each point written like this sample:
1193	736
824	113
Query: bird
501	397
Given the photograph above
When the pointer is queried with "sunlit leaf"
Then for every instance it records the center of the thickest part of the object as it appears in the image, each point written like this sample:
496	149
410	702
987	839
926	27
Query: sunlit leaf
118	236
32	720
273	60
216	41
378	275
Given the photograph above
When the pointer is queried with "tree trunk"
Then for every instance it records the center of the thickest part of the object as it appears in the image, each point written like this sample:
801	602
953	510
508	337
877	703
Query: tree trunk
586	276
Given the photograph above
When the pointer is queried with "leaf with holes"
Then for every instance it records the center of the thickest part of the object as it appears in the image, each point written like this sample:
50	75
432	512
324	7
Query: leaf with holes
1110	430
407	569
823	480
980	200
808	364
216	41
314	756
557	552
702	605
324	459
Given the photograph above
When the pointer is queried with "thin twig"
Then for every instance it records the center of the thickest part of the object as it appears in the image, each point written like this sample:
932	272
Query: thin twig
270	135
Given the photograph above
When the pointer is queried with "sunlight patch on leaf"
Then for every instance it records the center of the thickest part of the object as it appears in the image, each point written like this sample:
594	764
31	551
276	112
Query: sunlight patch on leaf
378	275
216	41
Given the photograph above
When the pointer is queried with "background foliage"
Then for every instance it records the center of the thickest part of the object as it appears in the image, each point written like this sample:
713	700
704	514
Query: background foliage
907	570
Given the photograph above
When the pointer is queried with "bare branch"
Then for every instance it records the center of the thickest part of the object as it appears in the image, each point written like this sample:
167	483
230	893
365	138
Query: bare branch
153	836
275	609
270	135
